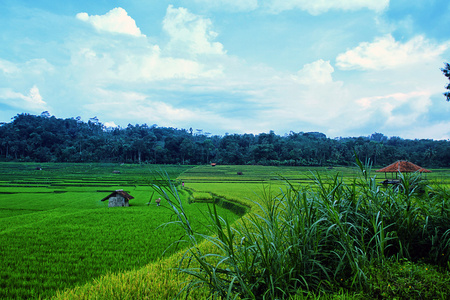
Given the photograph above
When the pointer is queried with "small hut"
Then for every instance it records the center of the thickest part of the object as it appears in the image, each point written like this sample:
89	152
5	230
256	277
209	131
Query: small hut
401	166
118	198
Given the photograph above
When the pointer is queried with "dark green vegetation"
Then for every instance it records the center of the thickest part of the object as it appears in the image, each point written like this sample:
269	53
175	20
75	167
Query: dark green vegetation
343	239
48	139
55	233
446	72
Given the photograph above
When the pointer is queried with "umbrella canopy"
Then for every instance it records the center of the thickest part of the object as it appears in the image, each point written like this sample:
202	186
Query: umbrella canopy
403	166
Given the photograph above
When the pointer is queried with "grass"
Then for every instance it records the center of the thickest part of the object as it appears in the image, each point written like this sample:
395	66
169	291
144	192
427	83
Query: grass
406	280
321	239
53	241
244	191
58	185
202	197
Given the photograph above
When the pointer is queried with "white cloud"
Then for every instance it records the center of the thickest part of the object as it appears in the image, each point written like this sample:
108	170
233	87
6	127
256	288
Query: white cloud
153	66
37	68
438	131
164	113
116	20
308	100
99	62
167	114
8	67
32	101
126	65
34	97
232	5
399	109
32	67
157	109
110	124
144	108
387	53
321	6
318	72
190	33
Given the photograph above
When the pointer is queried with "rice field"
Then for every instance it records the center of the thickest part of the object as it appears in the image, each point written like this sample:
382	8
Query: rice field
58	238
55	233
329	230
257	180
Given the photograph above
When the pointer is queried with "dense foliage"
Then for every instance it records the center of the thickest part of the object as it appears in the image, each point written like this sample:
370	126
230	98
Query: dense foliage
45	138
327	237
446	72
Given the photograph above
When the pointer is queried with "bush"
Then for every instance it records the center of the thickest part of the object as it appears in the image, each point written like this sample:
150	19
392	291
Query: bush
405	280
321	238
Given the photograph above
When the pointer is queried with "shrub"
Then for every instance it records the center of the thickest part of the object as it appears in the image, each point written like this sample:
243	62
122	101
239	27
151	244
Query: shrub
321	238
405	280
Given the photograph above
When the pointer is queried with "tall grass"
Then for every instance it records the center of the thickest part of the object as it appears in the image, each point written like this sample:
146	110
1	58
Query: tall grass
315	239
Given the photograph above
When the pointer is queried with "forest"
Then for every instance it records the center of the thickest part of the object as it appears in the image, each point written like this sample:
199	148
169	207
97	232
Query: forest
45	138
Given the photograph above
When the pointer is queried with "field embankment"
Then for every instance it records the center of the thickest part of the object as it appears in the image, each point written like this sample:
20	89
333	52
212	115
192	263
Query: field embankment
61	204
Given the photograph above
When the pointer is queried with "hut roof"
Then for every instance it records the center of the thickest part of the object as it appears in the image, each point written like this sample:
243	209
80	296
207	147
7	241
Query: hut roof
119	192
403	166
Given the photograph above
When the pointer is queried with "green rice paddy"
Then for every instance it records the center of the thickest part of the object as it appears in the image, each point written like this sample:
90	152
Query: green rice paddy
56	234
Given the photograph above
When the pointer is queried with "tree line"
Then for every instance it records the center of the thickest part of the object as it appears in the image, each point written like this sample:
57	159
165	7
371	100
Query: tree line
45	138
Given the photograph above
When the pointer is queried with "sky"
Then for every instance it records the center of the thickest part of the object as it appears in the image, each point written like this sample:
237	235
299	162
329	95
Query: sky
344	68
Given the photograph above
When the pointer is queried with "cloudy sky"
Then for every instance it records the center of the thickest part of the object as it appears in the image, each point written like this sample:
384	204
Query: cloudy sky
341	67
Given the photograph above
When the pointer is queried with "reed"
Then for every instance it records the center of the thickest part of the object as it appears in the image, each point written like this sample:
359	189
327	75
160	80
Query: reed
320	238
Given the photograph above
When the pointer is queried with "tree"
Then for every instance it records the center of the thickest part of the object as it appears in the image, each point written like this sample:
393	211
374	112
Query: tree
446	72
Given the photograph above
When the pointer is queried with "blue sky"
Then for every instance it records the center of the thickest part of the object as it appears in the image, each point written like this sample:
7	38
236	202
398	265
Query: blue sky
344	68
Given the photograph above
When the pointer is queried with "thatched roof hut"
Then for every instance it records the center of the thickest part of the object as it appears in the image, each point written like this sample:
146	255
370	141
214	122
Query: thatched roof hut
118	198
403	166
